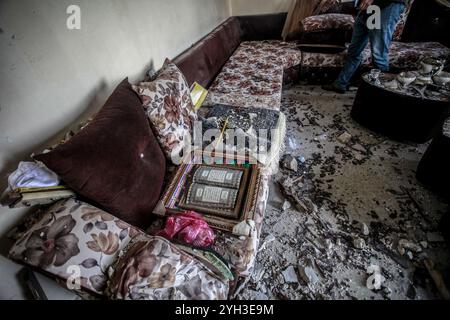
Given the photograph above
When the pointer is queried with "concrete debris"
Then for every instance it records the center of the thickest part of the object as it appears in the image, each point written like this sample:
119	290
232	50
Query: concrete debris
270	238
286	205
364	229
290	163
328	245
304	205
321	137
375	279
290	276
308	275
359	243
404	245
359	148
257	275
344	137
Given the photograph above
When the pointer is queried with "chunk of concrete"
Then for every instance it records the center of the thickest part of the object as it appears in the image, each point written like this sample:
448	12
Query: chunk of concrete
290	163
290	276
344	137
308	275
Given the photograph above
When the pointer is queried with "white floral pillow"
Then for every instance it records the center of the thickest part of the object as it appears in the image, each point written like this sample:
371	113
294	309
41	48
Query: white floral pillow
169	107
74	239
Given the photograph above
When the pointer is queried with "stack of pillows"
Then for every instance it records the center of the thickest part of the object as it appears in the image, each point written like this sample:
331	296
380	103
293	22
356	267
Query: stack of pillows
118	162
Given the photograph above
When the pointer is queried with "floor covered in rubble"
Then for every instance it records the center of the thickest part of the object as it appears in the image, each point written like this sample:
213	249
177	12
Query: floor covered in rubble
346	217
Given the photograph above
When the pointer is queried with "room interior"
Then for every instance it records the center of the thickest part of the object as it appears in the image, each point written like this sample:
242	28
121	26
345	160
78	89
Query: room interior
124	177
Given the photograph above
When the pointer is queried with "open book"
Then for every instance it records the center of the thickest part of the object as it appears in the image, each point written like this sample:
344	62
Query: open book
216	189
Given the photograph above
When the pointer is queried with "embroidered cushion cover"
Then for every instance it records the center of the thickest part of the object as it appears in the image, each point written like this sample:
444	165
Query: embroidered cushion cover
169	107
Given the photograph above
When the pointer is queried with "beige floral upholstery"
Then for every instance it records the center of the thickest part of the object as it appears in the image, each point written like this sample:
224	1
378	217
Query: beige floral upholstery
405	55
253	76
168	104
402	55
328	21
323	60
74	234
341	21
152	268
240	252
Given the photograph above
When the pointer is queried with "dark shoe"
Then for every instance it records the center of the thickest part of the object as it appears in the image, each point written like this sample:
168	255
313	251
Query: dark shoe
333	87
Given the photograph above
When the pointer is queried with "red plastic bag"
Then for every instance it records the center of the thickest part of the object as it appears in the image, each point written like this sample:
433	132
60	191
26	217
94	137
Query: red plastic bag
188	227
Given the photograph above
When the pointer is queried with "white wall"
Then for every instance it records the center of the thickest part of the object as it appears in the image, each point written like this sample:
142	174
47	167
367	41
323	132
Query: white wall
52	77
249	7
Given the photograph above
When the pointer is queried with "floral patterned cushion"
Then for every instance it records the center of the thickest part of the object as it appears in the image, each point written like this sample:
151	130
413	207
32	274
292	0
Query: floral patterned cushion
72	236
253	76
323	60
406	55
80	245
328	21
152	268
168	104
240	252
402	55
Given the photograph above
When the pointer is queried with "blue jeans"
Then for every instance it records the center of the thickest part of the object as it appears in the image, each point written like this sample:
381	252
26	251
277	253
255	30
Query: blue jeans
380	41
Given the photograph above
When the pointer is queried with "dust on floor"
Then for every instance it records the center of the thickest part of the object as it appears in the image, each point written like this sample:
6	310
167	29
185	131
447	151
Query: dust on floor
351	222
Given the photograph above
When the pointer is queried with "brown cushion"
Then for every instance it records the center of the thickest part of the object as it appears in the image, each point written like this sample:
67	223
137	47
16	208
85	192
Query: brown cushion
115	161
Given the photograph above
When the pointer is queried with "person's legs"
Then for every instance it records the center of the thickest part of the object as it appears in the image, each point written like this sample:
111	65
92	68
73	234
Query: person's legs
380	39
359	41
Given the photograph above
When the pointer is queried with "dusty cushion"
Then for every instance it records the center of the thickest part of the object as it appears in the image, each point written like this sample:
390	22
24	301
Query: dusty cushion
328	21
152	268
115	161
169	107
74	234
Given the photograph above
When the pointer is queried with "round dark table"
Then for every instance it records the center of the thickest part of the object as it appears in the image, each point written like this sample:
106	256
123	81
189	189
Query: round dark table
434	167
402	114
